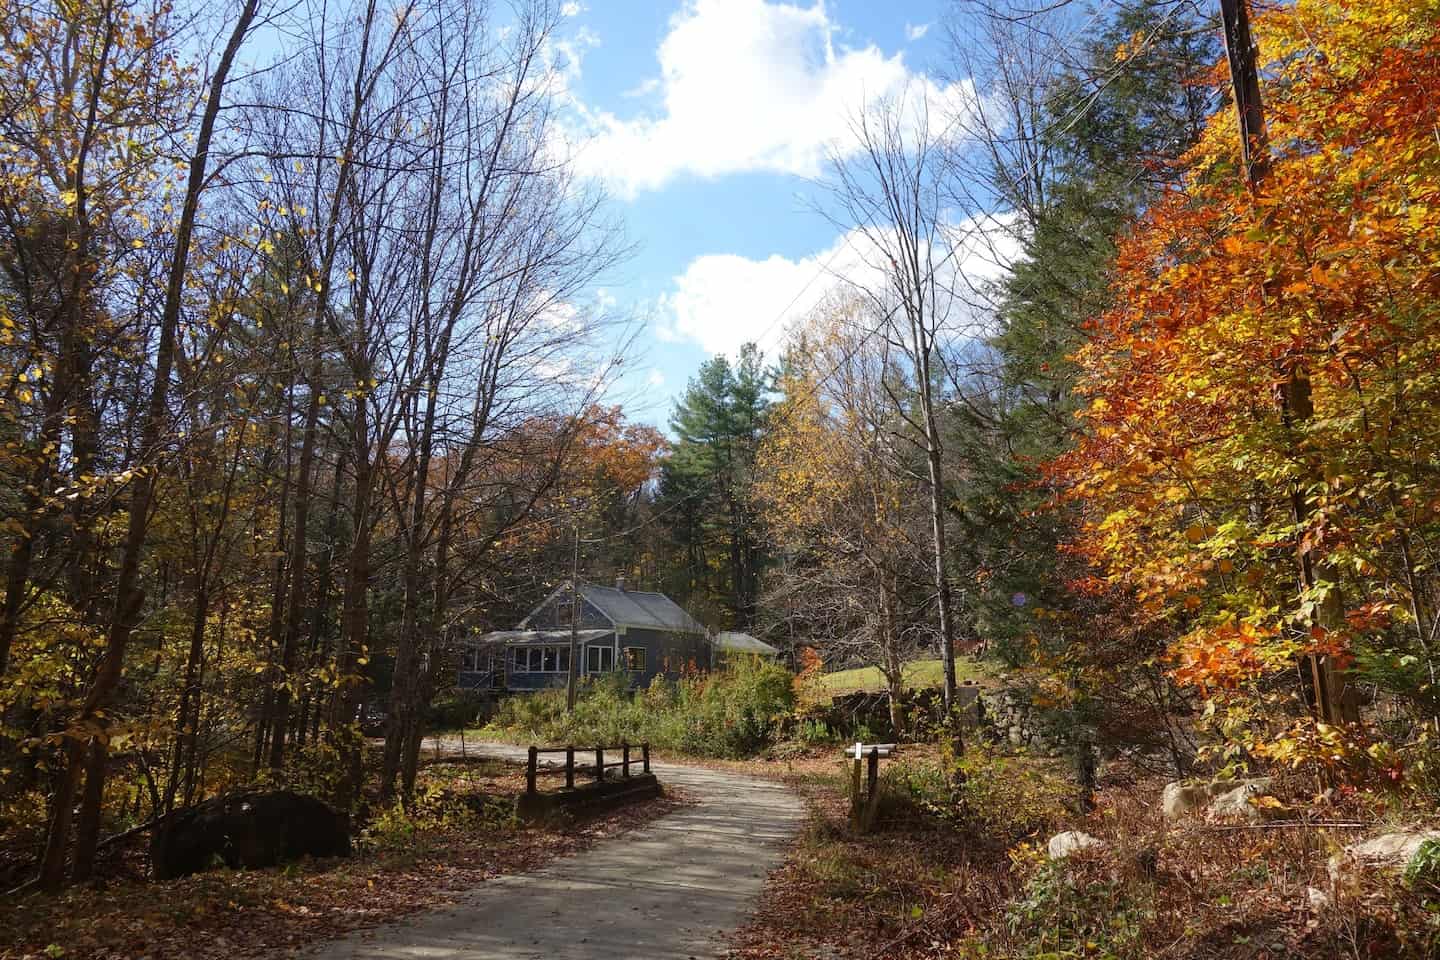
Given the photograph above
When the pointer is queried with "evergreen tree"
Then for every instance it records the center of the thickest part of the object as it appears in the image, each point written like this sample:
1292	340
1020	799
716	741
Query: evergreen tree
1113	126
706	489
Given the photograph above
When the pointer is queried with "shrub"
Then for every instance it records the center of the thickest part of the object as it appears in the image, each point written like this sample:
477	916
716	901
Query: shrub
434	811
1423	870
733	712
1063	915
1010	796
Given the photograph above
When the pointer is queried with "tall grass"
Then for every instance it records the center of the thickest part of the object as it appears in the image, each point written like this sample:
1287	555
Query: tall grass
734	712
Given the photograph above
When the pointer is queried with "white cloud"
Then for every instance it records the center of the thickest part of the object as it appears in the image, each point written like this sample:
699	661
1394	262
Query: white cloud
744	86
723	301
917	31
571	9
656	379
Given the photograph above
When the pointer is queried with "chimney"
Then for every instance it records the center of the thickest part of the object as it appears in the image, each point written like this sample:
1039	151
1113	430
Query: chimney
620	582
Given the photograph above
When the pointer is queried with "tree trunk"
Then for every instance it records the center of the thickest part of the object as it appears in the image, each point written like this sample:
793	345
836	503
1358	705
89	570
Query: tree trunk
935	476
87	830
295	604
354	613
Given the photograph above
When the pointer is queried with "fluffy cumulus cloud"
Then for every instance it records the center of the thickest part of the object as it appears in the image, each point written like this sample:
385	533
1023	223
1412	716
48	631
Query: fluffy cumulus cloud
744	86
723	301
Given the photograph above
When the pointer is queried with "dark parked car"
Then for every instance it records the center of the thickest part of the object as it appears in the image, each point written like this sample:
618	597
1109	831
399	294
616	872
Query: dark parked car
372	719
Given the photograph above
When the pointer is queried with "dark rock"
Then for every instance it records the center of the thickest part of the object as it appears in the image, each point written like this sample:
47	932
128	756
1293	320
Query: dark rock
256	829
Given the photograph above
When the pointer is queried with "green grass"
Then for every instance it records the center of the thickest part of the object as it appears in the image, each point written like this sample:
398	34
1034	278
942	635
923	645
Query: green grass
918	674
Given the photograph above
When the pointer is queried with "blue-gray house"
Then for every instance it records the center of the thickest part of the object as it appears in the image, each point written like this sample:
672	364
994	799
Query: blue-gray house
641	634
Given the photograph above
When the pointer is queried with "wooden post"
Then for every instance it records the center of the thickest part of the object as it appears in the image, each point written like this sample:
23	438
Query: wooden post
599	764
625	760
645	754
872	774
570	768
855	803
530	771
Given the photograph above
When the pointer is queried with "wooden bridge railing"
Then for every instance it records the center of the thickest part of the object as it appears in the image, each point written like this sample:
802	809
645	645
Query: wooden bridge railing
597	769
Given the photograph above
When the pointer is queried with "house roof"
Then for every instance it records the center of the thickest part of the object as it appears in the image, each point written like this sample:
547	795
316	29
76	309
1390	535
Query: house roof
533	636
733	641
631	608
635	608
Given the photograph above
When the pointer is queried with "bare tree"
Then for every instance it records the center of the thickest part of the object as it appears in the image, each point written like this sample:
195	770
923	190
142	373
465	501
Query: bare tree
889	194
505	240
856	563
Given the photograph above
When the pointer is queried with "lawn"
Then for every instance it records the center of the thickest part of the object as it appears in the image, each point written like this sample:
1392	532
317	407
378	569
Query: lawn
918	674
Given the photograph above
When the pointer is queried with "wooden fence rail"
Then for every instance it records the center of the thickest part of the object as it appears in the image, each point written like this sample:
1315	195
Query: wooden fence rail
597	769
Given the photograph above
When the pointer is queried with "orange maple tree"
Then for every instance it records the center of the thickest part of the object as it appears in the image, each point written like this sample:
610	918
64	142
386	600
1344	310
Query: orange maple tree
1189	469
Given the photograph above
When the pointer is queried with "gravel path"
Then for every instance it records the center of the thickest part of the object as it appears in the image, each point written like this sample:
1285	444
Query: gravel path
666	891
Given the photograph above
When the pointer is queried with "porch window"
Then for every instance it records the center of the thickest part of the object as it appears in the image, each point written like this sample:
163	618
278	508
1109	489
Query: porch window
599	659
635	659
540	659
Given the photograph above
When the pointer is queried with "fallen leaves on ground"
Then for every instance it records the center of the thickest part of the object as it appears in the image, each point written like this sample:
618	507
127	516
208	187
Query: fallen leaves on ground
266	913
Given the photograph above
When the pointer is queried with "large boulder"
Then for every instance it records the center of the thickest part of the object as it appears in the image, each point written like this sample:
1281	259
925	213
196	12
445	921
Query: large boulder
1182	798
1387	850
256	829
1064	844
1238	803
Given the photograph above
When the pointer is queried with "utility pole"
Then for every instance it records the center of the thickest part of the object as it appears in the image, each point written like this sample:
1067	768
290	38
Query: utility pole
1330	702
1245	84
574	621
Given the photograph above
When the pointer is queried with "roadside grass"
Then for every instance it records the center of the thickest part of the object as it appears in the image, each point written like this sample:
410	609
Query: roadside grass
459	832
918	674
937	880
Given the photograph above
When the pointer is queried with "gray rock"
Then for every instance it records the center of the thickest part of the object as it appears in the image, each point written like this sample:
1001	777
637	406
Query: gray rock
1235	804
1182	798
1387	850
1064	844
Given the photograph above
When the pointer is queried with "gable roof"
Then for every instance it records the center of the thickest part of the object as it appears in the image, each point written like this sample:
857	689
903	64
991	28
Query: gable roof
636	608
630	608
733	641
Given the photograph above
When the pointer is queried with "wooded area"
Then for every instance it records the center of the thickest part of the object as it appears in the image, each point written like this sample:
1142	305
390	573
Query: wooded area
304	379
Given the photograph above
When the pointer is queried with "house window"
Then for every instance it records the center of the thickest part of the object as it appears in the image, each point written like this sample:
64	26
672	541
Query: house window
635	659
539	659
599	659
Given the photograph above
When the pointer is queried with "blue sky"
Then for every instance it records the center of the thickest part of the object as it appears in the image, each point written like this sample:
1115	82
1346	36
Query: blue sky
708	120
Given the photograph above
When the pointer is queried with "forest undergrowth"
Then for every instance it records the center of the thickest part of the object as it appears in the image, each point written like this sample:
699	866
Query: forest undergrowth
965	874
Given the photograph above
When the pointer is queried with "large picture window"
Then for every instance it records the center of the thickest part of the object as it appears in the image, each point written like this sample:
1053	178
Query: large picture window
599	659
